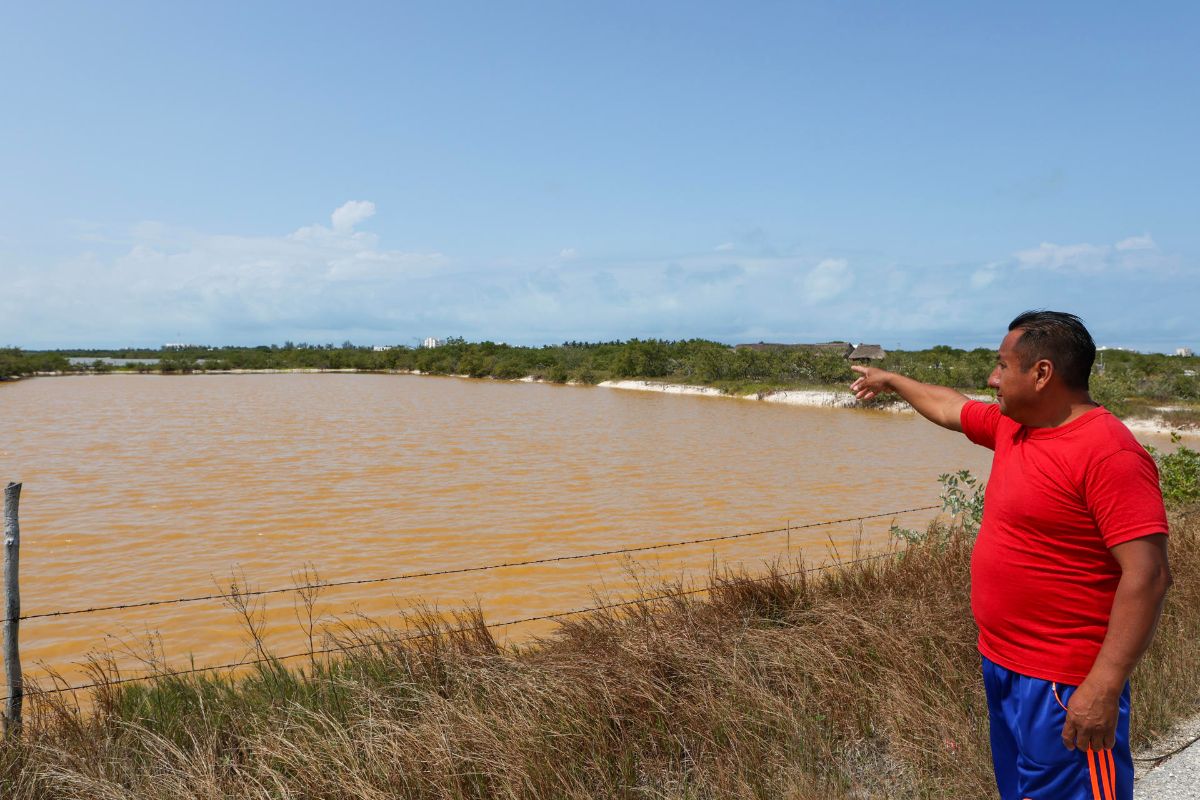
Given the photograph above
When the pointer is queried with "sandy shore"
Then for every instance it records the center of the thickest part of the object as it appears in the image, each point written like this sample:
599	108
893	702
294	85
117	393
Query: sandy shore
834	399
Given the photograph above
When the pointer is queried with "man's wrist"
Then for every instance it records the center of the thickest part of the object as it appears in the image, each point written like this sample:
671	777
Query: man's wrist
1107	679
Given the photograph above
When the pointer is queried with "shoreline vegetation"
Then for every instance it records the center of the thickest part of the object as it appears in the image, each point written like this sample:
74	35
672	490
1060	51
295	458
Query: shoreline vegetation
859	681
1153	393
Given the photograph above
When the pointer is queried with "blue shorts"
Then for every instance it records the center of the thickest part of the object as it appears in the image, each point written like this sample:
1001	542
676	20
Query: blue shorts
1028	755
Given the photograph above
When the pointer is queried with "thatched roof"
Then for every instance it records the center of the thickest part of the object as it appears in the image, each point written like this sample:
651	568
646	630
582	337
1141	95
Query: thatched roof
867	352
838	348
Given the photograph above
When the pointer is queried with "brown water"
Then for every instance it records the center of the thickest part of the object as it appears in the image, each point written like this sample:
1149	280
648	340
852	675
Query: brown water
151	487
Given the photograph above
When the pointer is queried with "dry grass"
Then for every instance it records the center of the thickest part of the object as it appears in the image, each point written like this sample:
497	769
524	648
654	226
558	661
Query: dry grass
857	683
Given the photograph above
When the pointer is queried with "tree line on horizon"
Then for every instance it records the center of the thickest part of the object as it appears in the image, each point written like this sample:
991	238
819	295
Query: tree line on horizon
1120	376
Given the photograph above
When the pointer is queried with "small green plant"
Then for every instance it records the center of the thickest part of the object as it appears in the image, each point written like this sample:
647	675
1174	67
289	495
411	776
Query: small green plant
1178	473
962	493
962	497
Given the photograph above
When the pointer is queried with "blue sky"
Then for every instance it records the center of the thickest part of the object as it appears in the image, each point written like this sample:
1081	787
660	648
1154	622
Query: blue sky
907	173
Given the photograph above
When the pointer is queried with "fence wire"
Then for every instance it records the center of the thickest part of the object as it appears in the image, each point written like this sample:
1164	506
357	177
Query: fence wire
458	570
442	632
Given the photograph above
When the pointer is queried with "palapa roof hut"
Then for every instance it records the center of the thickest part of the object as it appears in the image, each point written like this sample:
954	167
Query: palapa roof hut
837	348
866	353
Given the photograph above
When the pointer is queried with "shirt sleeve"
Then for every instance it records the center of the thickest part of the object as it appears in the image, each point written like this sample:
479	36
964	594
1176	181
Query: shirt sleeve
979	422
1124	497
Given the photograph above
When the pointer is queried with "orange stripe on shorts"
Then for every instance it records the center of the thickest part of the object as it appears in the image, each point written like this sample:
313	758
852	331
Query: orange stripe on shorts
1111	774
1092	772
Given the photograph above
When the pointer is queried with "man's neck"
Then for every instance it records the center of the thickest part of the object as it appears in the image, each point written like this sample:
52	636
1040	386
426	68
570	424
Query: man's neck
1068	409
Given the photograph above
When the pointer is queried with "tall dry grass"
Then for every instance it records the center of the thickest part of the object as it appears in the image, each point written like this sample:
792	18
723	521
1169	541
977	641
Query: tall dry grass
860	682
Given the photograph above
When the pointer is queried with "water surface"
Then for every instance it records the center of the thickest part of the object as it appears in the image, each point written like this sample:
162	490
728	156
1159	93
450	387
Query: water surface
146	487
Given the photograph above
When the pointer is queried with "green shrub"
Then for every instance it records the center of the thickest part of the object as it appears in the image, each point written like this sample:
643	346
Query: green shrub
1178	473
962	497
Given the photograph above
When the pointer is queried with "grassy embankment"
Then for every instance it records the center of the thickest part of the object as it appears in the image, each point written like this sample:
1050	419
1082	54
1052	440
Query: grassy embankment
860	681
1129	384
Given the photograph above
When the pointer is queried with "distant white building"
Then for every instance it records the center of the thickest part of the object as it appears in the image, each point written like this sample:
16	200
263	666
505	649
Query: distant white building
1186	352
382	348
432	342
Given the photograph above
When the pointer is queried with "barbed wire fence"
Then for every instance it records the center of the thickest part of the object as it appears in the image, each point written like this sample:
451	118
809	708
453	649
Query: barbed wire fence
13	701
13	617
464	570
396	640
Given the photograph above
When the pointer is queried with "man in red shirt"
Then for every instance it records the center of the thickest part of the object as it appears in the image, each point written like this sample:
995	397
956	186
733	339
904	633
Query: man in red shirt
1069	571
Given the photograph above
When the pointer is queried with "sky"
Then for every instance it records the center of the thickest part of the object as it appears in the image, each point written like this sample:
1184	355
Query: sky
535	172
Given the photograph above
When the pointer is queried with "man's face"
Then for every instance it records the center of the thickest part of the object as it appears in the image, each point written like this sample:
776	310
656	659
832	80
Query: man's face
1015	387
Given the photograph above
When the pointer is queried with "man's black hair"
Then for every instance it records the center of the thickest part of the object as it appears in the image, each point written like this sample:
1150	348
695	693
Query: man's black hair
1059	338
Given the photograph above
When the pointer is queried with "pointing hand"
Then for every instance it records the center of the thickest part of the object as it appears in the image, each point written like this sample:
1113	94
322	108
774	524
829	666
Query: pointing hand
873	382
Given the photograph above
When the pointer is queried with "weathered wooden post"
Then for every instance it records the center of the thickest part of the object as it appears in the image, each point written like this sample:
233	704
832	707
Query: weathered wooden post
12	611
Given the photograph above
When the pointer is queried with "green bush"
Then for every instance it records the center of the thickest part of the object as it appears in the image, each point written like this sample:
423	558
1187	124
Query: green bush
962	498
1179	474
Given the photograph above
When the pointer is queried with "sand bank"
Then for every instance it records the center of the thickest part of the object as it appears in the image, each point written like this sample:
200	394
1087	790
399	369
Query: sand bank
818	398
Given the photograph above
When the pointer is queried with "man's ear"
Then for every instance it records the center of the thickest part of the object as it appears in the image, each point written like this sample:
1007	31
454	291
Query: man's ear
1043	371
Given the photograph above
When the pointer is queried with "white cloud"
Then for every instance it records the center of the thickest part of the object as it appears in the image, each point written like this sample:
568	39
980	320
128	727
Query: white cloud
1132	254
1143	242
827	280
1078	257
210	286
984	276
351	214
568	253
322	283
725	247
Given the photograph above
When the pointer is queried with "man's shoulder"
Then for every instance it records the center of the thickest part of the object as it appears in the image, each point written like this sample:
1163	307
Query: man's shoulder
984	411
1105	435
981	422
1107	427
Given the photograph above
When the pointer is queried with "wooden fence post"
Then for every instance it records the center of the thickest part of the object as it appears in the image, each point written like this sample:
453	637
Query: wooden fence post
12	611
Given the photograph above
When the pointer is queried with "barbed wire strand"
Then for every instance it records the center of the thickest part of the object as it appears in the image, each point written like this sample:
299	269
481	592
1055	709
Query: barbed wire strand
458	570
433	634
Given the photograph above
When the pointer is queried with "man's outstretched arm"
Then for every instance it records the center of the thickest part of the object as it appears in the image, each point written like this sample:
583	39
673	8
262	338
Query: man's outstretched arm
936	403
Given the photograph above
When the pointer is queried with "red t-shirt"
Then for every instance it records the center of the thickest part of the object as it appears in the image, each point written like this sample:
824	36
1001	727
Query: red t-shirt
1042	576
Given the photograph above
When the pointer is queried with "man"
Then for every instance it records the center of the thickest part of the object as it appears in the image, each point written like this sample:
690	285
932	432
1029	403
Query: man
1069	571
